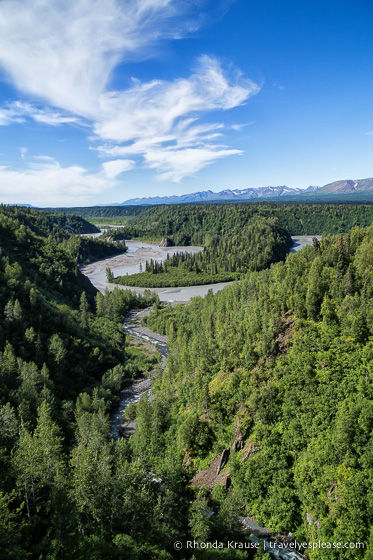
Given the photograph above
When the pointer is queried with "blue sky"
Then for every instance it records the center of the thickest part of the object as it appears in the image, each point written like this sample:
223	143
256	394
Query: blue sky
105	101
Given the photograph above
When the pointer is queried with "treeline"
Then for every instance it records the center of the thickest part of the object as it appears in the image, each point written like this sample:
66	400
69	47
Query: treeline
199	224
202	224
255	247
104	214
85	249
278	371
115	234
71	223
47	222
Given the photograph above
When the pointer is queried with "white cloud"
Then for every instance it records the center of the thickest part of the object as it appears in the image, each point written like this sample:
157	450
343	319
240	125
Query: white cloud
241	126
158	120
115	167
175	164
61	184
17	111
152	109
64	53
369	133
9	115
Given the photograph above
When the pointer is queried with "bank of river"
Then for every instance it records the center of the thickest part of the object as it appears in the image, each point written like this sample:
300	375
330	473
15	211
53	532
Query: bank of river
129	263
300	241
139	252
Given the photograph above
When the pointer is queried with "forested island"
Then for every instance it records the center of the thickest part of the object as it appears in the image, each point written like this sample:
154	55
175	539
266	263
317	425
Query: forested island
264	408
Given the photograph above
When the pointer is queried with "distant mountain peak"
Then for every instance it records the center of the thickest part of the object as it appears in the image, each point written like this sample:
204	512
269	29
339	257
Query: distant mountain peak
340	188
226	194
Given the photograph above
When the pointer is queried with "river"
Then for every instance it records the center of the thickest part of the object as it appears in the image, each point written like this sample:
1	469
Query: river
139	252
133	390
129	263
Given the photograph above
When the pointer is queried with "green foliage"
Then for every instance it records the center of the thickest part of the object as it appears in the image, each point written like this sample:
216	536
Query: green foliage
277	368
255	247
86	249
104	214
61	474
282	361
203	224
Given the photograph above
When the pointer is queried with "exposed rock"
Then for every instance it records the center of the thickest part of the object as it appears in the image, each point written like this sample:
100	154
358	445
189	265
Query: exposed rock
333	488
210	478
312	521
238	443
223	460
284	339
127	430
165	242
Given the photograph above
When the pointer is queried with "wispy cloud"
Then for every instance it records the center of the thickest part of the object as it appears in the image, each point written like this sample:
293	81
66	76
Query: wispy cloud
64	53
115	167
17	111
152	109
9	115
175	164
241	126
158	119
62	184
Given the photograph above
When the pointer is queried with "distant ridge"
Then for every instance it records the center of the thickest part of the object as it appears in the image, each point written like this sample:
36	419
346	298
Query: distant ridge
340	188
348	186
227	194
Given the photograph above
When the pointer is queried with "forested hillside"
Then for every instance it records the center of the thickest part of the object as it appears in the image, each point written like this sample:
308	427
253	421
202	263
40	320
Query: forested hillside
194	224
104	214
253	247
67	489
278	371
48	222
199	224
61	229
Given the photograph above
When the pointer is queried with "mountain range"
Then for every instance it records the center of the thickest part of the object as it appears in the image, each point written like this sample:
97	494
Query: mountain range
339	188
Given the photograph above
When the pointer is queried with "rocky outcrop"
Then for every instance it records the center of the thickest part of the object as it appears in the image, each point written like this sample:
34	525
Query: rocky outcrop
165	242
214	475
238	443
223	460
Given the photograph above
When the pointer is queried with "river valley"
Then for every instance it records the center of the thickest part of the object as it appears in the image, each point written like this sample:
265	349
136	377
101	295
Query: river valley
131	393
139	252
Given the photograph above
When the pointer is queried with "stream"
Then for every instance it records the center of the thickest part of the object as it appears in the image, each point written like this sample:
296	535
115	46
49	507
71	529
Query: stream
133	391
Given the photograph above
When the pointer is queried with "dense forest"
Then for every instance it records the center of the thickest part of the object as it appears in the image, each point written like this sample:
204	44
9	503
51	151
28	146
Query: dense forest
104	214
197	224
273	374
254	247
61	230
67	489
277	370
